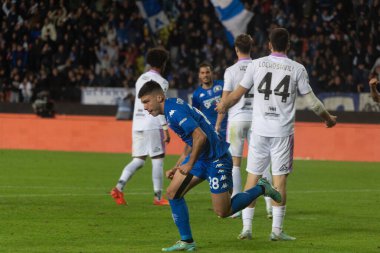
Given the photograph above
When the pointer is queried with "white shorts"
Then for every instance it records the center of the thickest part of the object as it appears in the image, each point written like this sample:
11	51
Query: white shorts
149	142
266	150
237	132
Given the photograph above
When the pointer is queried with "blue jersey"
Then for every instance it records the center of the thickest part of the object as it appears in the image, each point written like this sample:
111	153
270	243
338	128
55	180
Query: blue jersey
206	99
183	119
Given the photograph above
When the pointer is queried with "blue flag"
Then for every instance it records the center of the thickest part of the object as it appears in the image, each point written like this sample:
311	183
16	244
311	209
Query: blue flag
151	10
233	17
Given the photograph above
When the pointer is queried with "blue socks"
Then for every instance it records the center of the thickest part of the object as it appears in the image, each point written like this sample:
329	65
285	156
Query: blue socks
243	199
180	215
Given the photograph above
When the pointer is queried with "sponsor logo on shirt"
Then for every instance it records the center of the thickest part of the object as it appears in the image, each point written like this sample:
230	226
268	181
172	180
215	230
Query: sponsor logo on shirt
219	165
171	113
202	95
272	112
242	68
182	121
209	102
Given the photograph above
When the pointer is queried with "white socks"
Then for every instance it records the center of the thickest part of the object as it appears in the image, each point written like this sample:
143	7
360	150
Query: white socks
236	179
247	217
128	172
268	203
278	219
158	175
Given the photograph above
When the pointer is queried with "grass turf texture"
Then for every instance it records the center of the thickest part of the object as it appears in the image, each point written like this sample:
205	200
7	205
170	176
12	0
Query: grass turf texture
59	202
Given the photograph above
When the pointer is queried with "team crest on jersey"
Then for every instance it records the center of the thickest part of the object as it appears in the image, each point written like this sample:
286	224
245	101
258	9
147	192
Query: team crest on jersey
284	167
217	88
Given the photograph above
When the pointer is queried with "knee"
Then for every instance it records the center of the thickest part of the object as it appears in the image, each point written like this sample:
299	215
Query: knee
170	193
222	213
138	162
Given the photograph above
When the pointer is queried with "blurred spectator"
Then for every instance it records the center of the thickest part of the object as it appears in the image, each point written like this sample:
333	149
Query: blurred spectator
124	107
26	89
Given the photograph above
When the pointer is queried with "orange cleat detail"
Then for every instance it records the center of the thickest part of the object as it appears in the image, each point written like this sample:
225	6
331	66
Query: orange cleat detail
160	202
118	196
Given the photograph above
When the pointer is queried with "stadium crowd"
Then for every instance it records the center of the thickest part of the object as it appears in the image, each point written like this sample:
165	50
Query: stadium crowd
61	46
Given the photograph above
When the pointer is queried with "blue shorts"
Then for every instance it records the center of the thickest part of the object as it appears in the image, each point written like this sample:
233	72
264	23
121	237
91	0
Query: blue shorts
218	172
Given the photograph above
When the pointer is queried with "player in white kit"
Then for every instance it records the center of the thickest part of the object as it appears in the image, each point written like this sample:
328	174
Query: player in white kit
275	80
240	116
149	134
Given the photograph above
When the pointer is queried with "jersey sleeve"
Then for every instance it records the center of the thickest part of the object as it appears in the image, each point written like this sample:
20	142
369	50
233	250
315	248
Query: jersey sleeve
184	121
303	81
228	81
247	80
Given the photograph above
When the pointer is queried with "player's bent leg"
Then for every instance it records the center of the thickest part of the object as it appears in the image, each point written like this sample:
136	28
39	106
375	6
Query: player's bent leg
128	171
270	191
221	203
252	180
225	206
158	179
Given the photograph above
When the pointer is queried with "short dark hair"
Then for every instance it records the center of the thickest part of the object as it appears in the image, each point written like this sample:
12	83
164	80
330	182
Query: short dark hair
244	42
279	38
205	64
157	57
148	88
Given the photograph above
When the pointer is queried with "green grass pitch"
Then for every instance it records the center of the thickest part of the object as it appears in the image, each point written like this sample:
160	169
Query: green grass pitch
59	202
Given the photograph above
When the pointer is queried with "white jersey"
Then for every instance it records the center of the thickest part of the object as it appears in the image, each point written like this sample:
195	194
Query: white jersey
275	80
242	110
142	120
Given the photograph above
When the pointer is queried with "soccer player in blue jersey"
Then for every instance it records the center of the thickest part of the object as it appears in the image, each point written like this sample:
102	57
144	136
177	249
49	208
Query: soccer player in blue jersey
207	95
209	159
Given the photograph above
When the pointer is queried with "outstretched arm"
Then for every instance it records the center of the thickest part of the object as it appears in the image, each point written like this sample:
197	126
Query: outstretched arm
231	99
319	109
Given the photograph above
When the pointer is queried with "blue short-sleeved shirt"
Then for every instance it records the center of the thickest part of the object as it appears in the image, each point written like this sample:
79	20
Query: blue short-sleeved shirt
206	99
183	119
215	161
